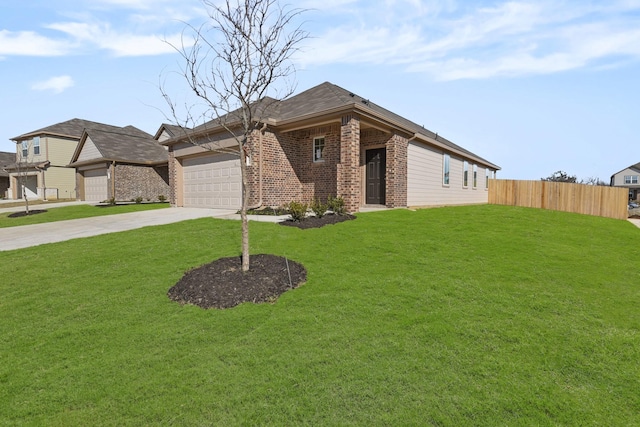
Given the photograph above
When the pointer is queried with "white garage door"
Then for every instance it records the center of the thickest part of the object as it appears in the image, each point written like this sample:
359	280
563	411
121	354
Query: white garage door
95	185
212	181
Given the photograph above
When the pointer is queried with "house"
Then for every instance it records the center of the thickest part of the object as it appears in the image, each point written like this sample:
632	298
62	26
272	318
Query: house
42	156
629	178
327	141
120	164
6	159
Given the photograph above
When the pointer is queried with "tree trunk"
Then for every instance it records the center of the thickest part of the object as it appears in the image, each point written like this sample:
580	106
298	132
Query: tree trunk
243	212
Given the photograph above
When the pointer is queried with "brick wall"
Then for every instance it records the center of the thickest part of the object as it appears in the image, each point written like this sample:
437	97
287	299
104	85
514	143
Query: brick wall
148	182
280	182
289	172
173	177
348	171
397	148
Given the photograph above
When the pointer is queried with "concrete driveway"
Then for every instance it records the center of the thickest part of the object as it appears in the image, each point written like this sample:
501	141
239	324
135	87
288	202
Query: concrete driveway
38	234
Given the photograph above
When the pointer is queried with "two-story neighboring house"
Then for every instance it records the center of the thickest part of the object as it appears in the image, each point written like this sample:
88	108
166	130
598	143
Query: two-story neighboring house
629	178
42	157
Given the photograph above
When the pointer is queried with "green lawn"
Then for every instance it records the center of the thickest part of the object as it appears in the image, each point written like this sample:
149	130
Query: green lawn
74	212
481	315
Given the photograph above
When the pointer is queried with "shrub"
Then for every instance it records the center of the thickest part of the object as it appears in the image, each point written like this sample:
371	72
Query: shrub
297	210
318	208
336	204
162	198
138	200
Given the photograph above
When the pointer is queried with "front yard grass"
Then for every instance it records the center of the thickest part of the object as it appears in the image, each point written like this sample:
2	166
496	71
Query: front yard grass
481	315
74	212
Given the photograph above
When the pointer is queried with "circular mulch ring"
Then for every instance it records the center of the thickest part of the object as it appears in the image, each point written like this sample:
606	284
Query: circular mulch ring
315	222
223	284
23	213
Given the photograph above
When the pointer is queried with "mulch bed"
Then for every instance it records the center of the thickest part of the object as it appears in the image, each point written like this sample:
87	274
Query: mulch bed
635	216
315	222
23	213
223	284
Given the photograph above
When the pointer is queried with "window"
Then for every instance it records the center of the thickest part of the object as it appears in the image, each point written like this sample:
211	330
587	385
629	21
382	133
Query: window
318	149
475	176
445	169
25	149
631	179
36	145
486	178
465	174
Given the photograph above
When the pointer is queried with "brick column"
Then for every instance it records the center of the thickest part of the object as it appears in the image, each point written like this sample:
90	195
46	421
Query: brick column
173	181
397	148
348	171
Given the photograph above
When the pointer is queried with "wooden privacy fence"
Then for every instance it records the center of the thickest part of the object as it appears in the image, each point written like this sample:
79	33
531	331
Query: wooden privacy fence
610	202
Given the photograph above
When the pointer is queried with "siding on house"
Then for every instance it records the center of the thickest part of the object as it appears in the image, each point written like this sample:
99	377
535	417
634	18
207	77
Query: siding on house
63	179
89	151
58	150
425	183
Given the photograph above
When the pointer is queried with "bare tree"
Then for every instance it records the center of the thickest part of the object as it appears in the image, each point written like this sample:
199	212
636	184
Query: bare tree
24	157
561	176
237	66
594	180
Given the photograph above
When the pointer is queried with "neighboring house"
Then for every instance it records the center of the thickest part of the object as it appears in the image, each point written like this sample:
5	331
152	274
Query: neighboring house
629	178
42	156
6	159
327	141
120	164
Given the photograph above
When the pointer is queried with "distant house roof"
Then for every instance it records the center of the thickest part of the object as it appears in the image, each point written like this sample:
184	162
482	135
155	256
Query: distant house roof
635	167
124	145
171	130
70	129
6	159
330	100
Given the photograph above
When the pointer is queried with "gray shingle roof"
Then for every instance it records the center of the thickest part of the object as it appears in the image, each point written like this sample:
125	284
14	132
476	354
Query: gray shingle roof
327	97
71	128
128	145
6	159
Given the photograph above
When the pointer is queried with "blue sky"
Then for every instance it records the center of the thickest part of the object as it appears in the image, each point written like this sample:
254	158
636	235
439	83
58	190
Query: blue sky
533	86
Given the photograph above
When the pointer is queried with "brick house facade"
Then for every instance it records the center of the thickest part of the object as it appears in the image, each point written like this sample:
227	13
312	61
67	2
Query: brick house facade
148	182
120	164
283	167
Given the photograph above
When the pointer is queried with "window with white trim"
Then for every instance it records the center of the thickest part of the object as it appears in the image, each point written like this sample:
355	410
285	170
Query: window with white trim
318	149
486	178
25	149
631	179
445	169
465	174
36	145
475	176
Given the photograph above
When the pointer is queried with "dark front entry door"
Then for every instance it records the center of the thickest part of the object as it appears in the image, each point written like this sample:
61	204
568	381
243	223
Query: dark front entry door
376	167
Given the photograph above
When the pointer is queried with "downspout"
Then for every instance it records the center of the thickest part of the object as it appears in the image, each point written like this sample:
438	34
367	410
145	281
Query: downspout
259	204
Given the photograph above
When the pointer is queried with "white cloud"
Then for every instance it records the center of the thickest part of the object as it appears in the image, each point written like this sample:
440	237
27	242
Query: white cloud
29	43
509	39
56	84
103	36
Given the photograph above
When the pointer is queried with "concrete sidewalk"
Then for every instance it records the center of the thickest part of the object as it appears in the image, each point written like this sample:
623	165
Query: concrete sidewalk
38	234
